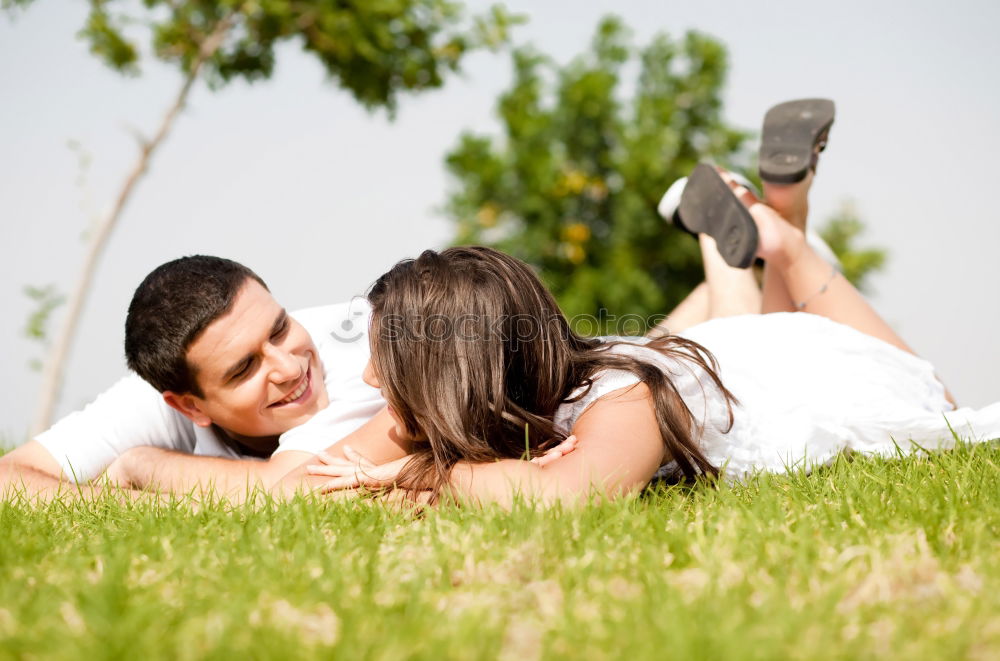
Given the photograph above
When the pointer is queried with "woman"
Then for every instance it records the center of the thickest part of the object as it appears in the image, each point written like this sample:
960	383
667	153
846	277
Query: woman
480	368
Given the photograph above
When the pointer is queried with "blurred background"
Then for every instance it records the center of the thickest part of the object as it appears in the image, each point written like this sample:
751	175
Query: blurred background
287	159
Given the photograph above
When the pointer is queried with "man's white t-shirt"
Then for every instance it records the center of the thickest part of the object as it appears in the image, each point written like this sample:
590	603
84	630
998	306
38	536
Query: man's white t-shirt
132	413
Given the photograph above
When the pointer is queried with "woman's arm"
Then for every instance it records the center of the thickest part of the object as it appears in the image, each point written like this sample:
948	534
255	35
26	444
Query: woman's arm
615	449
618	450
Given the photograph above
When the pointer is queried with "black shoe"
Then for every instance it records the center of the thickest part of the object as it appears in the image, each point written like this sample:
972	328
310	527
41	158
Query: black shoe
708	206
792	133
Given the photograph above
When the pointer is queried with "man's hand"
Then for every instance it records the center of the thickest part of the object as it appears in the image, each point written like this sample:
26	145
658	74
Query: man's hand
117	473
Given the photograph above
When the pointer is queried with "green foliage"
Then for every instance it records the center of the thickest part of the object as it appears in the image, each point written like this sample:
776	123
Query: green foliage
375	49
14	4
572	187
107	40
841	233
865	559
46	300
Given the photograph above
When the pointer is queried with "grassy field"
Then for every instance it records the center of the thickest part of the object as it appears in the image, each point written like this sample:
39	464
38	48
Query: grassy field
866	559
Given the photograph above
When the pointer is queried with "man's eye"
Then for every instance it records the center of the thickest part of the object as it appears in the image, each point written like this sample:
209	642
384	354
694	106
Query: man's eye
281	331
243	370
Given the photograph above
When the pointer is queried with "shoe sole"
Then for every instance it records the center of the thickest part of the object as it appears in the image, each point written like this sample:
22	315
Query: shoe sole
709	207
792	132
671	200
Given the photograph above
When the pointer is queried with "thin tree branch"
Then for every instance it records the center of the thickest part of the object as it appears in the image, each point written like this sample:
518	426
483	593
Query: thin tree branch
52	375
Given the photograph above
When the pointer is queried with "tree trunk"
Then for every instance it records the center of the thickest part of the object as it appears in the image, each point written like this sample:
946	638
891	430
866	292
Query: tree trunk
55	363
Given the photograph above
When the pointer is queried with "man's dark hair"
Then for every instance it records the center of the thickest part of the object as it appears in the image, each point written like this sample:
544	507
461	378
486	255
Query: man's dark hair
172	306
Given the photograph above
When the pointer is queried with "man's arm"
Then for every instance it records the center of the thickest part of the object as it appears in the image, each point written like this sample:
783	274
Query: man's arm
32	473
129	414
28	469
177	472
181	473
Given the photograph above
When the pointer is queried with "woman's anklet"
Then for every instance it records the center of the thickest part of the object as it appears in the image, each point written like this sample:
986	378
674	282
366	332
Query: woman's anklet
822	290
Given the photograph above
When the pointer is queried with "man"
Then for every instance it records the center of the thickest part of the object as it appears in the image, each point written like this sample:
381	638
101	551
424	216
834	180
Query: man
224	380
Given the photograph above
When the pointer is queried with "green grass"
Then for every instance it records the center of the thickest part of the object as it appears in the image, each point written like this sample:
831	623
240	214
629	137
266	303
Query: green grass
866	559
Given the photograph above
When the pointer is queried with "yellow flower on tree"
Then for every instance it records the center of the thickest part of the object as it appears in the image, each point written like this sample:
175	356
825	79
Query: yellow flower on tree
574	252
488	214
573	182
576	233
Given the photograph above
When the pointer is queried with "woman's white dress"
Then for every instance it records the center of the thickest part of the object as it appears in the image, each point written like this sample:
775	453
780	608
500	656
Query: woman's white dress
808	388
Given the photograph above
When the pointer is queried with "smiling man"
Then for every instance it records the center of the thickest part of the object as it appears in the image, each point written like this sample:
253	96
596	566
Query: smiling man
223	382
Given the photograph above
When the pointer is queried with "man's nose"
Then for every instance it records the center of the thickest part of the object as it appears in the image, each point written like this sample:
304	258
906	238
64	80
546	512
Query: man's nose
284	365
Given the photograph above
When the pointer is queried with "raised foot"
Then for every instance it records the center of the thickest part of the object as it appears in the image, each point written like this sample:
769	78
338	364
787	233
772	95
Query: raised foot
708	206
794	133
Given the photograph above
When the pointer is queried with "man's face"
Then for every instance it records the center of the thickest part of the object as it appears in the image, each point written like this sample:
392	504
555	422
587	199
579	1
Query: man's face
257	368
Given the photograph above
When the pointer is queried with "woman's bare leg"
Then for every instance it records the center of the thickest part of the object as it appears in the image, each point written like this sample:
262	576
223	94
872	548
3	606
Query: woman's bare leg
825	291
731	291
811	280
726	292
693	310
792	203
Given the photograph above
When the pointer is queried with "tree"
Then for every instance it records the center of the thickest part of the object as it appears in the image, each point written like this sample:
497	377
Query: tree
572	186
841	233
375	49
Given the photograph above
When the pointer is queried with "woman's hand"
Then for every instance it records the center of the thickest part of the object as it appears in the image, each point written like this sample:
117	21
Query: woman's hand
552	454
355	471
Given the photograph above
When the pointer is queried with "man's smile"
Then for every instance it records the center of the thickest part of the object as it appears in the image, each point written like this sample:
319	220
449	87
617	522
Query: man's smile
301	392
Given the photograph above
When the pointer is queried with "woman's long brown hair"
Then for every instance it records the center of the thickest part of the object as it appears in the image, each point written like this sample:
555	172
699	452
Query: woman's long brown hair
474	354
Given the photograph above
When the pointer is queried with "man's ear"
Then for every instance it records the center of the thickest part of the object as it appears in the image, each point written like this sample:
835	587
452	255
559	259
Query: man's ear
187	405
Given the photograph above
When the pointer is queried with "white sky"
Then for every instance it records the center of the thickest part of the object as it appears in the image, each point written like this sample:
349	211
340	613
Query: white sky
294	179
